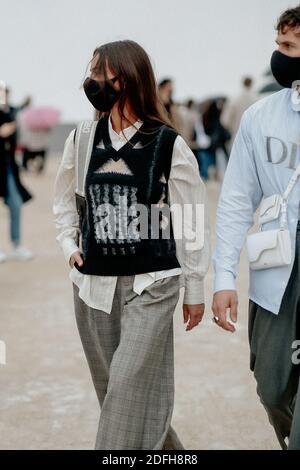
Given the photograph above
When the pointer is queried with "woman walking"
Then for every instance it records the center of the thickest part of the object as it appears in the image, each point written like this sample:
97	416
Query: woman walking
12	191
125	278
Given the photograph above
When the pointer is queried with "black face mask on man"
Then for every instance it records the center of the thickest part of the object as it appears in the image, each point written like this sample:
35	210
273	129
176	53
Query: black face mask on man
101	94
285	69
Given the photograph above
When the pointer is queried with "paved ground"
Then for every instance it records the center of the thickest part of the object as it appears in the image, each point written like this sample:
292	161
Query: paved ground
46	395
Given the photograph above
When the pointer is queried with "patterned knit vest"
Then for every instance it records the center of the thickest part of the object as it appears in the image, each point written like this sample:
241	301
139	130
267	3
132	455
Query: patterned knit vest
125	229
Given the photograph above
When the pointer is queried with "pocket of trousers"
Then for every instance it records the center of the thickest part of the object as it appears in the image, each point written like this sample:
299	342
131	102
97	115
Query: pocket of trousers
162	287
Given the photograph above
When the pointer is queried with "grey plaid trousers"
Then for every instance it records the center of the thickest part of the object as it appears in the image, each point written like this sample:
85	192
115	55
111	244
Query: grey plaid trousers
130	354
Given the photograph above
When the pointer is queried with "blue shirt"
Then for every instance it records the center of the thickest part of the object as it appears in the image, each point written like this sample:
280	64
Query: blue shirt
264	156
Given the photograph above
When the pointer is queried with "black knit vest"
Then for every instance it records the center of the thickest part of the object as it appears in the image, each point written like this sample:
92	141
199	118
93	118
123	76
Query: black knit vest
117	237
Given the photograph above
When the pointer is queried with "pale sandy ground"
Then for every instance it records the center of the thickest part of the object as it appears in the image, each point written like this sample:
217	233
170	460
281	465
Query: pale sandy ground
46	396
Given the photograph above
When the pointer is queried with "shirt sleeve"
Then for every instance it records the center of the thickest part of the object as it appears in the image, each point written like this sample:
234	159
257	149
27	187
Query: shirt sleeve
188	192
240	196
64	204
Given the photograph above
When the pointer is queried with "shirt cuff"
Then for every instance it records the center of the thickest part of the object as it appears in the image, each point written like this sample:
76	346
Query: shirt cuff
224	280
69	247
193	292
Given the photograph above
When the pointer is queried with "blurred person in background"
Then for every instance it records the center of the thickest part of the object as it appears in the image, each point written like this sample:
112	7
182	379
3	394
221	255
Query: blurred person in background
263	160
36	124
165	90
188	119
13	112
202	141
235	107
213	137
12	191
35	144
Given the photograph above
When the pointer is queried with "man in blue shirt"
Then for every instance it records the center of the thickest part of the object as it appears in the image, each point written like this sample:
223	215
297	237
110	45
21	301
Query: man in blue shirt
264	156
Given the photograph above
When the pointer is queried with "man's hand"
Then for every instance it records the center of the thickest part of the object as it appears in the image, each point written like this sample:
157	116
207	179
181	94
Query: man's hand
223	300
76	258
7	129
193	314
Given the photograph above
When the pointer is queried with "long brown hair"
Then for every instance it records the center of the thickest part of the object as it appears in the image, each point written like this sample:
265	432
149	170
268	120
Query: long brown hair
130	62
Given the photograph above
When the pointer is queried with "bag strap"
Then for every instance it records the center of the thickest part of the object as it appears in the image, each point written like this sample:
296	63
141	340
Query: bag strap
84	139
292	183
285	196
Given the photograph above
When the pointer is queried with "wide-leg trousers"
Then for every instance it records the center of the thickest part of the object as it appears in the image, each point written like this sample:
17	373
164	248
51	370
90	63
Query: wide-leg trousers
274	340
130	354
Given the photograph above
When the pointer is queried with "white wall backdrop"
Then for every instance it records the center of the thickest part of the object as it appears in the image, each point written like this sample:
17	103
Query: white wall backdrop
204	45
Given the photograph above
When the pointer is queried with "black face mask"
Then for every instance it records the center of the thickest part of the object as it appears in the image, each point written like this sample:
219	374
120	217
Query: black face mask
285	69
101	94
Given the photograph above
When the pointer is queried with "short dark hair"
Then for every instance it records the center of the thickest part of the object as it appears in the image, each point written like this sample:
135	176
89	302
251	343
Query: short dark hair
288	19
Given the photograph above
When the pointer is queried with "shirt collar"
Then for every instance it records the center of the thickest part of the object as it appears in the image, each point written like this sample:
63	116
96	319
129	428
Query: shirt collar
127	133
295	99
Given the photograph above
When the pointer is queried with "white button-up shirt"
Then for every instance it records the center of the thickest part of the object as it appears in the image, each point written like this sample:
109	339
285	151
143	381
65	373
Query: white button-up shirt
263	158
185	187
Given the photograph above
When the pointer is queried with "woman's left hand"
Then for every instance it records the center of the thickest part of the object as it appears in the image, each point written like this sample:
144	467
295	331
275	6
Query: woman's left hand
193	314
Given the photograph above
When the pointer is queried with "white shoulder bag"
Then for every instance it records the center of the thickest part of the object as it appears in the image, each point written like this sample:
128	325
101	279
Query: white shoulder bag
272	248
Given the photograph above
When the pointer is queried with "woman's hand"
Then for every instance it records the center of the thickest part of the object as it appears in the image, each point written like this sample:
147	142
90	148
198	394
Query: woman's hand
193	314
76	258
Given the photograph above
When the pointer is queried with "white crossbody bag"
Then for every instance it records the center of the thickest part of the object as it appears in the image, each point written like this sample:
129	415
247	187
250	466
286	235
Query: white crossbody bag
272	248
